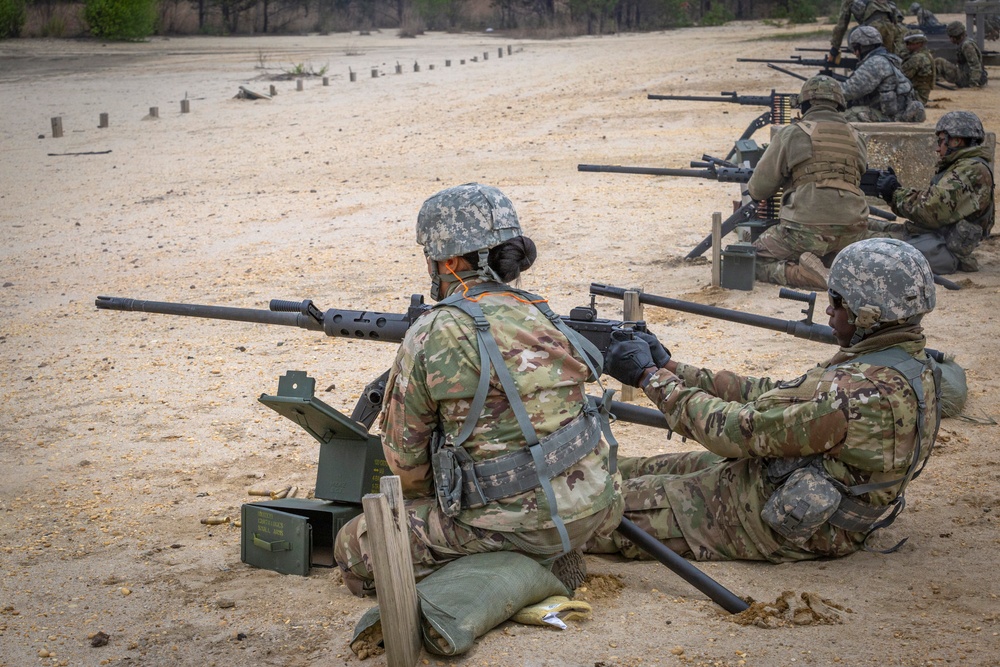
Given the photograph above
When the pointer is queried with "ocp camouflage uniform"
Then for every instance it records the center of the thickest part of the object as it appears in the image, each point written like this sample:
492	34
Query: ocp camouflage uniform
957	208
967	71
818	163
878	91
859	418
879	14
432	382
919	69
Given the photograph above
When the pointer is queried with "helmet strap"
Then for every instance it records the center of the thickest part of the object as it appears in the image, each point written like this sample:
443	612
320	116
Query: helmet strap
484	271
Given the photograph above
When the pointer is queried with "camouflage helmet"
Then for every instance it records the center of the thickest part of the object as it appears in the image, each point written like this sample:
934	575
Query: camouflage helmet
464	219
821	87
882	281
955	29
915	7
864	35
963	124
915	36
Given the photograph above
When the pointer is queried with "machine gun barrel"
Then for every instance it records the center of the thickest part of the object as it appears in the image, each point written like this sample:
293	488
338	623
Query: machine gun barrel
822	63
805	329
721	174
732	98
367	325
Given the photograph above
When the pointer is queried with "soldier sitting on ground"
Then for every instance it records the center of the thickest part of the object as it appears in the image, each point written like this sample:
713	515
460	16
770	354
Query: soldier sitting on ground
472	444
967	71
817	163
802	469
918	65
878	91
947	219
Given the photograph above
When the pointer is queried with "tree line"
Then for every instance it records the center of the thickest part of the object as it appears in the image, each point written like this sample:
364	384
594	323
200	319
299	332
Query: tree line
139	19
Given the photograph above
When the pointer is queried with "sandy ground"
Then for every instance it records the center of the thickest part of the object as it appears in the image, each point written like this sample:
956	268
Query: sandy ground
120	431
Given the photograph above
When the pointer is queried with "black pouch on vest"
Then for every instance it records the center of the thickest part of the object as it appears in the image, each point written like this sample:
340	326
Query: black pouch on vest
798	508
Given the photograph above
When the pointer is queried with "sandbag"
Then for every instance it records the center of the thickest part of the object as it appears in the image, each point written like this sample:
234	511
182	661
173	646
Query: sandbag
467	598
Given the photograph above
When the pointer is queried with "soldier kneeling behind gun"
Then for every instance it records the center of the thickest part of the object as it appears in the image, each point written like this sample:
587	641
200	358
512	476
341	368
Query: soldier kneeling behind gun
802	469
817	163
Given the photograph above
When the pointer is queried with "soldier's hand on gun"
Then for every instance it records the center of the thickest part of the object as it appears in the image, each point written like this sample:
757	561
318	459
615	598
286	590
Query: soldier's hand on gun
887	184
834	56
661	355
628	357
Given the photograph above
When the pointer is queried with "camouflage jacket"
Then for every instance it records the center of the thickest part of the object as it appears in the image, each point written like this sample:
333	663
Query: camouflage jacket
919	69
970	64
880	14
962	189
878	83
860	417
827	209
433	380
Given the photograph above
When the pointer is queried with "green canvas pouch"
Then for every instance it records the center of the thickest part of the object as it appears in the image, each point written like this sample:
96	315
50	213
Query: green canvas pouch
467	598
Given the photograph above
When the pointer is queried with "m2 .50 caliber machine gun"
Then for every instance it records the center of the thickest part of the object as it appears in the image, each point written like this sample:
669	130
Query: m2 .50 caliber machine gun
391	328
727	172
780	109
826	67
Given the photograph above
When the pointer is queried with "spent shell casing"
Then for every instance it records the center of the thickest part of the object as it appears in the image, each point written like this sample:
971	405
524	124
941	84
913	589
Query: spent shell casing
215	520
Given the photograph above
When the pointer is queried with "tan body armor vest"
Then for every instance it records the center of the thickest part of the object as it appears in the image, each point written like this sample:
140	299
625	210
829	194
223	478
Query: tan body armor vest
836	161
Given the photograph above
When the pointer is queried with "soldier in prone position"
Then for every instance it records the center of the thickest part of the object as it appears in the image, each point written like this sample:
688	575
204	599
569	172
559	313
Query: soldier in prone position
817	163
448	404
877	90
947	220
802	469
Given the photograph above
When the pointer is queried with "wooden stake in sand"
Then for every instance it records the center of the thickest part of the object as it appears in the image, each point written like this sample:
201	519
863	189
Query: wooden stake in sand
388	531
326	81
299	85
185	106
352	75
500	52
57	127
510	49
716	249
447	63
154	112
103	122
374	72
399	68
274	91
416	67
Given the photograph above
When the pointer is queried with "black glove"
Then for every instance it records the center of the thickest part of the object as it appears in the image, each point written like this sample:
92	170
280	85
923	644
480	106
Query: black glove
834	56
661	355
627	358
887	184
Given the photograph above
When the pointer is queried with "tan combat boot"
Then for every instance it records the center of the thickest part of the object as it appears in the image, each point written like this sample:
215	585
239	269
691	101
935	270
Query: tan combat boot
810	272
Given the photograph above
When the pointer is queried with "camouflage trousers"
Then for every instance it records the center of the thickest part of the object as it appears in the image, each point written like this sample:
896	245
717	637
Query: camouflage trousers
706	507
779	247
944	258
913	113
952	73
436	540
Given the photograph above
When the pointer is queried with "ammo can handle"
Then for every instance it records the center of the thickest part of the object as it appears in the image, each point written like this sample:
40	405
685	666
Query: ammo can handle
278	545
